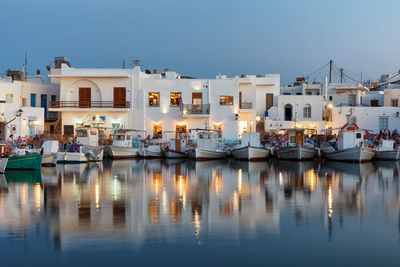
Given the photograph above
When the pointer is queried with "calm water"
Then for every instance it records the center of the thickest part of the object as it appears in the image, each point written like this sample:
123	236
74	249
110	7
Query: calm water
142	212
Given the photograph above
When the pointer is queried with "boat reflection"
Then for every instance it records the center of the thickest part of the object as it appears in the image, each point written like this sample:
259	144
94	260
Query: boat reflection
166	200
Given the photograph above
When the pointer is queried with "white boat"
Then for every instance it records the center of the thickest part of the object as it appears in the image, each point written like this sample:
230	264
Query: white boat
207	146
74	155
151	151
50	149
123	146
89	138
387	151
350	146
294	148
250	148
3	158
175	149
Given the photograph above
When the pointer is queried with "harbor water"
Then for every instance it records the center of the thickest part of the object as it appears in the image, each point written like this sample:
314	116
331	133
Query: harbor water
214	213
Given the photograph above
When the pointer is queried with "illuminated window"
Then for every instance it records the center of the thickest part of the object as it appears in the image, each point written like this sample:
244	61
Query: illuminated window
175	99
9	98
226	100
154	99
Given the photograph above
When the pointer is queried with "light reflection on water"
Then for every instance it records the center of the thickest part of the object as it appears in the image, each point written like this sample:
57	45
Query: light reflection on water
204	208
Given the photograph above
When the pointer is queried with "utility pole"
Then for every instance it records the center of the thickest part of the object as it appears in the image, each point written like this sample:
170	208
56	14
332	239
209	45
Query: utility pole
330	70
123	64
361	78
341	75
26	64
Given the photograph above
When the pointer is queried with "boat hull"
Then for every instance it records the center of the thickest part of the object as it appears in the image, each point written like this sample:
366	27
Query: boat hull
123	152
144	153
25	162
393	155
173	154
205	154
355	154
296	153
251	153
71	157
49	159
3	163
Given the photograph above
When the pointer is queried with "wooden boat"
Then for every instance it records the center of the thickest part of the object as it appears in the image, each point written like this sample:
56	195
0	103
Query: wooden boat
350	146
295	148
251	149
175	149
50	149
123	146
74	155
25	162
3	158
386	151
151	151
207	146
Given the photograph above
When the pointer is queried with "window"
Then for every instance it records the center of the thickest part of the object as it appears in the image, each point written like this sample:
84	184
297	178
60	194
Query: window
33	100
351	119
226	100
24	102
358	135
352	100
383	124
175	99
308	93
307	111
374	103
9	98
154	99
330	98
395	102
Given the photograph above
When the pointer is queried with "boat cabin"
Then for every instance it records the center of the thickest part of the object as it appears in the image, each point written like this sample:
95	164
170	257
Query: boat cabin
251	139
87	136
387	145
350	136
295	137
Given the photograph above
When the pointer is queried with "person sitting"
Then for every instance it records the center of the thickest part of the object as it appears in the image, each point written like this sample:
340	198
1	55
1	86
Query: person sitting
10	141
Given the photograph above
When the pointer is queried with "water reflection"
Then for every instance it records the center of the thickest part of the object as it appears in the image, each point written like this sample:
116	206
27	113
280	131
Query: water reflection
168	201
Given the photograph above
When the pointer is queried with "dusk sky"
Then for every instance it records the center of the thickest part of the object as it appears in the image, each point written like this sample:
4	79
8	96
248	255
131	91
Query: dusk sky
206	37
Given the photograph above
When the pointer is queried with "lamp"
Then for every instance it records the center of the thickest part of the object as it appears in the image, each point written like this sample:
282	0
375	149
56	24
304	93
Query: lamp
2	119
236	116
19	113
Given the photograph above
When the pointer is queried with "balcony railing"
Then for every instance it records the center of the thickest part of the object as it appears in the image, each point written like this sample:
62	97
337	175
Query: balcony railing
89	104
196	109
244	105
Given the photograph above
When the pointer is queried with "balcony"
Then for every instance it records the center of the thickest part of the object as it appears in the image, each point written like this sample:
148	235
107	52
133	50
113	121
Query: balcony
77	105
196	110
246	105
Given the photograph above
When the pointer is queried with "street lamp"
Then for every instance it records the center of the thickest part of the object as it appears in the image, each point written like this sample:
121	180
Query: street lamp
2	118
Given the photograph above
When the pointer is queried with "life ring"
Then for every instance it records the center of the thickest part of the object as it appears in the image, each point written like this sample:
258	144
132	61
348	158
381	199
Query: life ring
75	148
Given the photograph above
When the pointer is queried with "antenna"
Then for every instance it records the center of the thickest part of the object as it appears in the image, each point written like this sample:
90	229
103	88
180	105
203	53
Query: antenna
26	64
123	63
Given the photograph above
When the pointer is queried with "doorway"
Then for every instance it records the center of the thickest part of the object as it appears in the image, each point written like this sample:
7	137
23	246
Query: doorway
197	98
269	101
288	112
179	130
157	130
119	97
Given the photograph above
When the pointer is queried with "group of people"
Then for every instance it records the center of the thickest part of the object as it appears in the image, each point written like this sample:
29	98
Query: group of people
27	141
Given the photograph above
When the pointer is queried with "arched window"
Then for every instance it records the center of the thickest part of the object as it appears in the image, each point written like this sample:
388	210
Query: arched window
288	112
307	111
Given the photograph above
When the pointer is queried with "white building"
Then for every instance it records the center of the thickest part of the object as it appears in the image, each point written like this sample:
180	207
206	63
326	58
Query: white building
161	104
31	95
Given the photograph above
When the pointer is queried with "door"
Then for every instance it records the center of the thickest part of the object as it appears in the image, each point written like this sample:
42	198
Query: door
288	112
33	100
119	97
240	99
31	131
43	104
197	98
269	101
84	97
68	130
180	131
299	137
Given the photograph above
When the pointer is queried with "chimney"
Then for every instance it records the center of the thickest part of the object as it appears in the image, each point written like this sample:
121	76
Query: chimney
37	72
155	71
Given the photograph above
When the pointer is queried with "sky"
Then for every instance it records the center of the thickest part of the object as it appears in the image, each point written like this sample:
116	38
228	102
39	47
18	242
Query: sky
205	38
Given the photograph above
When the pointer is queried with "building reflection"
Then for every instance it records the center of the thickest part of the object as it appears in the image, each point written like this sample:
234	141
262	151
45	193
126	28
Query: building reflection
134	200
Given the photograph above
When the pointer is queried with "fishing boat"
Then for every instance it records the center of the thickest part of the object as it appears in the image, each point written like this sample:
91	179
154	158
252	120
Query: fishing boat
295	147
25	161
89	138
74	155
250	148
351	147
206	146
150	151
175	149
387	151
50	149
123	146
